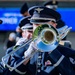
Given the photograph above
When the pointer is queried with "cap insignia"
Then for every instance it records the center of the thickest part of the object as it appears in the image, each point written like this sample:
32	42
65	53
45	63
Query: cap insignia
39	10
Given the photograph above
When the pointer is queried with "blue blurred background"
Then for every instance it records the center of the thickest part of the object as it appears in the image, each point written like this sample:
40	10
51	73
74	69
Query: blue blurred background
12	16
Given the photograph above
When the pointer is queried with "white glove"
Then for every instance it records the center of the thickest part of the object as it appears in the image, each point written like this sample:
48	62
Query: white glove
31	50
20	41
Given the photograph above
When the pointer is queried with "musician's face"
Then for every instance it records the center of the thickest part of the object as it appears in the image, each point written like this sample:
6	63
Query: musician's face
54	24
27	34
26	14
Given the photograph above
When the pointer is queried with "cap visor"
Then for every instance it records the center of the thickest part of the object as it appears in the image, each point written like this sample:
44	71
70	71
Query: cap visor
38	21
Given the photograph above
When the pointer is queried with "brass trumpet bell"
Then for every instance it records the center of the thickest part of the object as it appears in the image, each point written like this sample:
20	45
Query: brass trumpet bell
46	37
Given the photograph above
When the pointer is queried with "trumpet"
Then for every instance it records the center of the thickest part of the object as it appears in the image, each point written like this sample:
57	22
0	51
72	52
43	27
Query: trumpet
5	64
63	31
46	38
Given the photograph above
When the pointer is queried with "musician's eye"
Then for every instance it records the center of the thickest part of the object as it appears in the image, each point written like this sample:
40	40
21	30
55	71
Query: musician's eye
53	21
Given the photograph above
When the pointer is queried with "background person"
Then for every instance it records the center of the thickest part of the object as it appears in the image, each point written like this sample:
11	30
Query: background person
26	28
24	10
24	13
51	4
11	41
54	5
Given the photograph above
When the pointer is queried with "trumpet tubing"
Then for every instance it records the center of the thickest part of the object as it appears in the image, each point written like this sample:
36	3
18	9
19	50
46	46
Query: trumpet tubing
12	52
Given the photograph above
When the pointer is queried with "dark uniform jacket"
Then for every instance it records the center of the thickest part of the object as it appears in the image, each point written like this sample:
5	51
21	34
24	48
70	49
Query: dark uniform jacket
33	69
59	63
5	70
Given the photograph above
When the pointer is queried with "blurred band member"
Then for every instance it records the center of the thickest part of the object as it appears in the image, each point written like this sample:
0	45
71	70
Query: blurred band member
24	13
54	5
24	10
26	28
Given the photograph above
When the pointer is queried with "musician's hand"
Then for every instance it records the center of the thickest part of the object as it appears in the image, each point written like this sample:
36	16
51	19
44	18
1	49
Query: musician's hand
31	50
20	41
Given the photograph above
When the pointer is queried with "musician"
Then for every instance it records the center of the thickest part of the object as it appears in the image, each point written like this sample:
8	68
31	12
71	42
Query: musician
26	28
54	62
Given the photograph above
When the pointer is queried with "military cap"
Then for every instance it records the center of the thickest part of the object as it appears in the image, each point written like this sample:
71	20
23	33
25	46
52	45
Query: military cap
25	23
51	4
31	10
1	21
43	14
24	8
